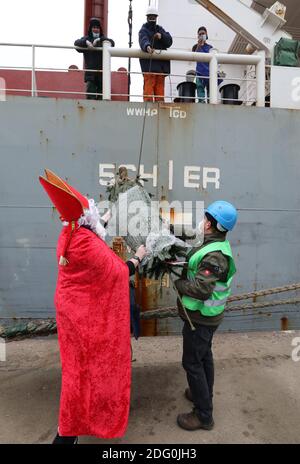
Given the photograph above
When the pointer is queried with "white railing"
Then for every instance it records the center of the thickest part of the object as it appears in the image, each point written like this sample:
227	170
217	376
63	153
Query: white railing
213	58
33	49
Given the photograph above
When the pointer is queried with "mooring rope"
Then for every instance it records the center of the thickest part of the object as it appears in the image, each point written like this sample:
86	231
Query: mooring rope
26	327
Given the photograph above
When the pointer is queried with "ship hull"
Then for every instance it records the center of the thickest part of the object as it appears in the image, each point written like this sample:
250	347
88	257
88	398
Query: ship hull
191	152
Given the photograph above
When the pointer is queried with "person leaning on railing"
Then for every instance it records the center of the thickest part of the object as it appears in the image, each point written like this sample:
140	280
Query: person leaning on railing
93	59
202	67
153	37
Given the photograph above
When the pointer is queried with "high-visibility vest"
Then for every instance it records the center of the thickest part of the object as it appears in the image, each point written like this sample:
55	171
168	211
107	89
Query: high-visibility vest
215	305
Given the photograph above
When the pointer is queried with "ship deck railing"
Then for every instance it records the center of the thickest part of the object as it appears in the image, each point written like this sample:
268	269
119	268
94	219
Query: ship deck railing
214	59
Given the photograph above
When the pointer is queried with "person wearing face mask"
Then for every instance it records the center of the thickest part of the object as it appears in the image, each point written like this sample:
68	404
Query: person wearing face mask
202	68
153	37
204	287
93	58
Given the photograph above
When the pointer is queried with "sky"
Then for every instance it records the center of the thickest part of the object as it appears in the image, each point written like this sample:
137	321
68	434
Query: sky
60	22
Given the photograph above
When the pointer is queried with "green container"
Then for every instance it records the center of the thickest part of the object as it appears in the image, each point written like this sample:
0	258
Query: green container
286	53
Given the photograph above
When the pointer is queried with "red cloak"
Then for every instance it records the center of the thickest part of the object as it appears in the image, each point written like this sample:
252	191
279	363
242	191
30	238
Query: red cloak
93	323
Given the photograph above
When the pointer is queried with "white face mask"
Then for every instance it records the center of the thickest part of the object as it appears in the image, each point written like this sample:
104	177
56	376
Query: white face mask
198	239
203	37
96	35
151	20
200	228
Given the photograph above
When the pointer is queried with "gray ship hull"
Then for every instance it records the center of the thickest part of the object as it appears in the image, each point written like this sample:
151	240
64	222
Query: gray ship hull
248	156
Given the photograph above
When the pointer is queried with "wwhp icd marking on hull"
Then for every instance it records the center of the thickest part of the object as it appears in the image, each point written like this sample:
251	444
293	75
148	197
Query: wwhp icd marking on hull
174	112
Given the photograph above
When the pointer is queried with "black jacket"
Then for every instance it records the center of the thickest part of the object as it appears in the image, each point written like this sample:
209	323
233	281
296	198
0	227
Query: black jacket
146	34
92	59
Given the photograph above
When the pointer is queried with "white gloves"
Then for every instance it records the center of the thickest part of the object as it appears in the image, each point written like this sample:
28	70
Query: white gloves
107	216
96	42
89	44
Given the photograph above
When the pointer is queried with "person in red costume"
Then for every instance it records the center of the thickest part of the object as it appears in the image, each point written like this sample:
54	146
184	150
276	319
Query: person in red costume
93	320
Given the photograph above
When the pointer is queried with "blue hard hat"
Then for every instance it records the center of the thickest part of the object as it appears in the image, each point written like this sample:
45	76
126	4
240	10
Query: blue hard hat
224	213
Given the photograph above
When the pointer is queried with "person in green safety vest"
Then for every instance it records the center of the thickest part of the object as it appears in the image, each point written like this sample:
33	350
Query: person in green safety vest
204	287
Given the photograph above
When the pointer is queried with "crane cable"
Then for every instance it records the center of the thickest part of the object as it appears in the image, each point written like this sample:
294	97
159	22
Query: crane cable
145	114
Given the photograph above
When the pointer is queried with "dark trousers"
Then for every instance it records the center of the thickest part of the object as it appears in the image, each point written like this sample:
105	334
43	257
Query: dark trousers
197	360
94	88
202	84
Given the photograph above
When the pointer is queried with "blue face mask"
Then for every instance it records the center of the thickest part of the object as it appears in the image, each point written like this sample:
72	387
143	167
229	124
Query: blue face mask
96	35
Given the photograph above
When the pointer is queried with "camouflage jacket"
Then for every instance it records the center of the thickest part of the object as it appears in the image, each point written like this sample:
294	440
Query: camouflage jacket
213	267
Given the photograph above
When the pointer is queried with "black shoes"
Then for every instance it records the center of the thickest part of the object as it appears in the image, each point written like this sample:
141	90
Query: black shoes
58	440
